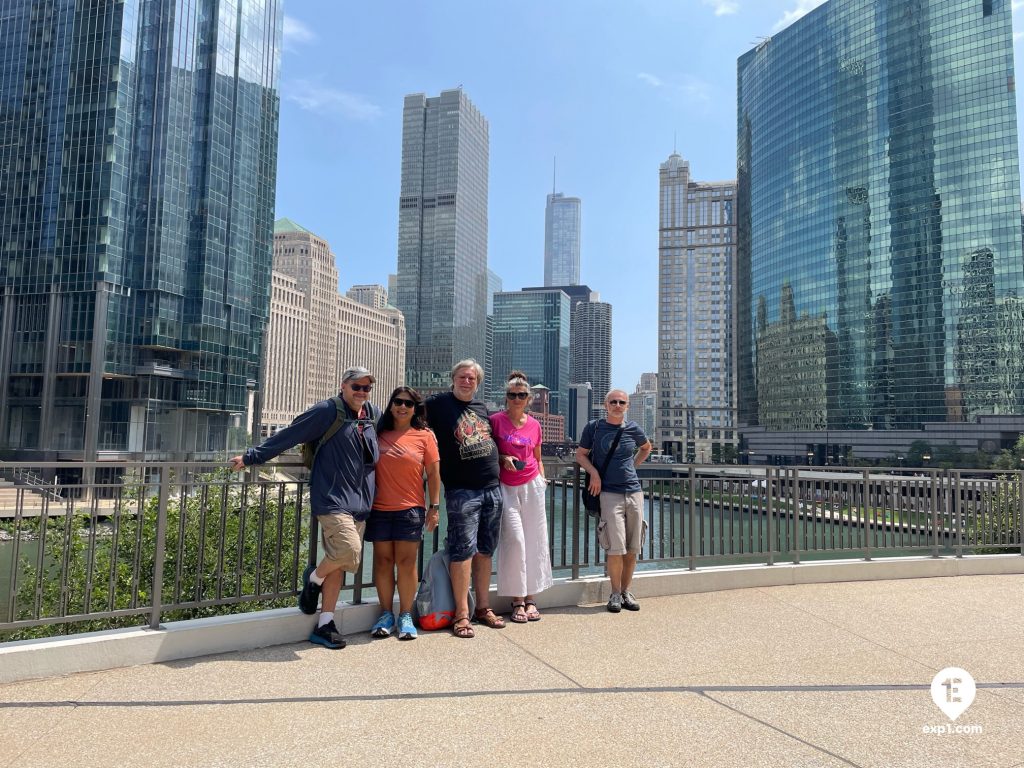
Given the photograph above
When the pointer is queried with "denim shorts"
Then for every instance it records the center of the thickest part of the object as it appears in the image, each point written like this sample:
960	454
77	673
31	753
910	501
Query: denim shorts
474	521
400	525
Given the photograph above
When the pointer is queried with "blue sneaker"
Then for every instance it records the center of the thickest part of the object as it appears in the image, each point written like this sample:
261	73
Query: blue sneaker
384	625
328	636
406	629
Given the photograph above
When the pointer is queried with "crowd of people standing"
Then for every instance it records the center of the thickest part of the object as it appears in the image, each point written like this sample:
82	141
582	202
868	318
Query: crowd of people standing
368	469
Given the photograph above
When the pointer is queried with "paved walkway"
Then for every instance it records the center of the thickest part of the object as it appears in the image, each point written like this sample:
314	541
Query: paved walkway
812	675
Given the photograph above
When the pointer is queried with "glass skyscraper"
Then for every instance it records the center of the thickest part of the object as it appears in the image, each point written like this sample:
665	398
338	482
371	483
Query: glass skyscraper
442	236
562	240
879	264
531	334
138	148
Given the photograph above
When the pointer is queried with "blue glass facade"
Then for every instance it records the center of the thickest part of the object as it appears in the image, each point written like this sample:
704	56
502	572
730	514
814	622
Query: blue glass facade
138	150
531	334
880	277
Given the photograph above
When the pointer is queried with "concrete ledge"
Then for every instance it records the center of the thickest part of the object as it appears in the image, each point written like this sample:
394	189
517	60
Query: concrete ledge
31	659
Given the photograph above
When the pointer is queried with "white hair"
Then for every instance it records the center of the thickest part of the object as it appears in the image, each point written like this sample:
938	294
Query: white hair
469	362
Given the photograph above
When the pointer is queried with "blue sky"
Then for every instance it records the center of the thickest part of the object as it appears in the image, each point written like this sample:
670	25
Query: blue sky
607	87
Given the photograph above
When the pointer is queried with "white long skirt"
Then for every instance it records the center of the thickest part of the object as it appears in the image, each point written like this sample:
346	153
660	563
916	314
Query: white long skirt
524	562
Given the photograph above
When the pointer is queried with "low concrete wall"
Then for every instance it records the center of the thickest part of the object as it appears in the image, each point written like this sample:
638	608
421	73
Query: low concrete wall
30	659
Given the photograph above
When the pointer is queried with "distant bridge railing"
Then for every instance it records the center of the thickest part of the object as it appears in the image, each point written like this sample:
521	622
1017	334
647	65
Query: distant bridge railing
136	544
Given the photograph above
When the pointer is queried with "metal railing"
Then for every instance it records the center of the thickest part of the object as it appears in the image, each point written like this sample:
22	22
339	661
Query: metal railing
149	543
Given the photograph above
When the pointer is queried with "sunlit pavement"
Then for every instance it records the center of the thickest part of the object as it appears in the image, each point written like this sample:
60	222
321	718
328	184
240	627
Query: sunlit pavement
808	675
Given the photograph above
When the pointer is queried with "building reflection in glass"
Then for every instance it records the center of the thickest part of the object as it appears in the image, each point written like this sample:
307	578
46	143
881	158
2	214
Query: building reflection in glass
880	268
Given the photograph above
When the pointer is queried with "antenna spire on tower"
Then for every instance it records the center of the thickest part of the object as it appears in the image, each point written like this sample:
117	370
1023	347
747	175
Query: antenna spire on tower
554	174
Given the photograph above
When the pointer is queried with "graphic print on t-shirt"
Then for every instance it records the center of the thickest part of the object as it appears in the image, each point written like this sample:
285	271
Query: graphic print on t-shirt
473	435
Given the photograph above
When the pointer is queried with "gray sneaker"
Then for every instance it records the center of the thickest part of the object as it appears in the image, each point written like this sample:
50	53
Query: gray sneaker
615	602
629	602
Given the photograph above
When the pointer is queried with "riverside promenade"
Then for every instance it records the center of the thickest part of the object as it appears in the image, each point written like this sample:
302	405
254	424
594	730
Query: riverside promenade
831	674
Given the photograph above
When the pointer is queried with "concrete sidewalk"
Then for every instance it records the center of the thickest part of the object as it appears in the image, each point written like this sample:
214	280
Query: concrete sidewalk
802	675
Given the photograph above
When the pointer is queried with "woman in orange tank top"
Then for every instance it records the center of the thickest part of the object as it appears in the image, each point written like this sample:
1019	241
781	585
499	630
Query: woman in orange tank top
408	451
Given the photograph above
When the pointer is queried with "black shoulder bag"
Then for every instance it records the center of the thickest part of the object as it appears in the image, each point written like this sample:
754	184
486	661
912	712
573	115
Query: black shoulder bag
592	503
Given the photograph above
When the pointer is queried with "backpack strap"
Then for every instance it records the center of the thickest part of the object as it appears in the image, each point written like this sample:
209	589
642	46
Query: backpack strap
339	419
611	452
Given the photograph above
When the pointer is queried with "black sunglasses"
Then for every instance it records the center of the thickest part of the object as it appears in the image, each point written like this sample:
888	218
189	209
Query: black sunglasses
517	395
402	401
362	387
617	402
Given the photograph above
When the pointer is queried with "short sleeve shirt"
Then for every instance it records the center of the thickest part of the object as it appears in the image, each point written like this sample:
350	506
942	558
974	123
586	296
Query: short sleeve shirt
469	457
519	443
597	437
403	458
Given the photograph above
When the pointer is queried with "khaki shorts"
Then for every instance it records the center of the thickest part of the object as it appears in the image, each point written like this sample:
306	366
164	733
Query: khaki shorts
343	539
622	525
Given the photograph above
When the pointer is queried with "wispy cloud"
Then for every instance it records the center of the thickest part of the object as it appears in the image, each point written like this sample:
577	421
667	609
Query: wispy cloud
802	7
1018	36
296	33
686	86
723	7
1016	5
324	100
650	79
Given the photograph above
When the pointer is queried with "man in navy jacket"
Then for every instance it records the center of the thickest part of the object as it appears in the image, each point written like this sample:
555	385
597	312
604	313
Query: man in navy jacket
341	488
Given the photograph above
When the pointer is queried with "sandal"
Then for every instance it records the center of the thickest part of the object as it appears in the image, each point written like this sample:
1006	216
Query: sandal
464	630
532	614
519	613
489	617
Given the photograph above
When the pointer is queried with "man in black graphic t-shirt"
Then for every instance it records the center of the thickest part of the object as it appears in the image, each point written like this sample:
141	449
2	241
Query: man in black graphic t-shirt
469	471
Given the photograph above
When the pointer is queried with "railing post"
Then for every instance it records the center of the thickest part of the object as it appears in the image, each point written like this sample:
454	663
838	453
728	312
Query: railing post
1020	510
935	516
870	518
794	513
954	490
160	548
769	496
692	524
575	520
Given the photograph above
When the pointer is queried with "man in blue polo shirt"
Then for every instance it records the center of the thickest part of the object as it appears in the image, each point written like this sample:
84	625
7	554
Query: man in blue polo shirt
341	488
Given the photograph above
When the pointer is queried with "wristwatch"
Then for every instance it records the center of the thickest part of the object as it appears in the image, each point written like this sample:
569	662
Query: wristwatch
434	508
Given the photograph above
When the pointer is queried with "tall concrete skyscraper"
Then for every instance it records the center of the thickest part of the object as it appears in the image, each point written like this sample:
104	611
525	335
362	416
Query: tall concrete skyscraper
138	143
305	256
315	333
697	257
561	240
442	235
879	254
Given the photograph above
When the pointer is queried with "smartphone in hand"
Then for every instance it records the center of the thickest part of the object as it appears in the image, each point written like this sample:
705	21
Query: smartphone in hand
518	463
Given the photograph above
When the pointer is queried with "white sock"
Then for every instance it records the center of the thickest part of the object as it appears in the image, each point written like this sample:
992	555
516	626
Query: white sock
326	617
318	580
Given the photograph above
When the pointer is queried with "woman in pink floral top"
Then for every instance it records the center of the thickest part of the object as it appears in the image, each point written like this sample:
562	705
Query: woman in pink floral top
524	564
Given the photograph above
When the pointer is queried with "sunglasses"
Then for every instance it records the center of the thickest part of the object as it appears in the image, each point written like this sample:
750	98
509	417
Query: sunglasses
617	402
362	387
403	402
517	395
